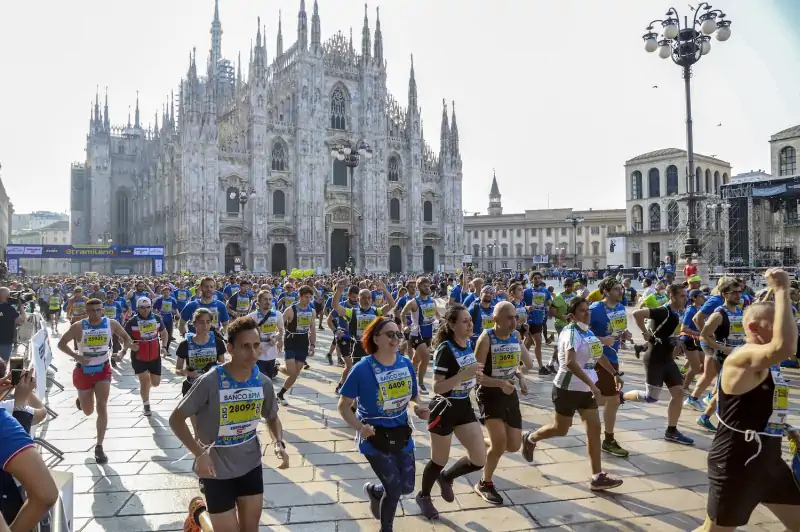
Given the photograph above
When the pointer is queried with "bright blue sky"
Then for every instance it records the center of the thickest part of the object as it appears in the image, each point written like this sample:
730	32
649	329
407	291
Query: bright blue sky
555	95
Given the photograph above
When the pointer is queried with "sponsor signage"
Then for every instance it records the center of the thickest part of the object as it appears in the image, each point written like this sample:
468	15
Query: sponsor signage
87	251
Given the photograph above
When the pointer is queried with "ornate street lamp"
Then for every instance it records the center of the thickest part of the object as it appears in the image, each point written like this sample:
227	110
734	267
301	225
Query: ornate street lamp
351	157
574	219
244	196
686	44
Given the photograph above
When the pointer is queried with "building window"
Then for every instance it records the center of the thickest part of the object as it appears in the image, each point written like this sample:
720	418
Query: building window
725	179
533	232
394	210
476	251
673	216
580	231
698	176
548	248
655	217
637	217
490	266
563	231
708	189
654	182
534	249
394	169
474	234
716	182
579	248
595	230
519	233
339	173
787	159
278	203
121	149
672	180
489	233
338	110
595	248
519	266
636	185
279	161
427	211
232	200
491	250
504	248
505	233
519	250
504	264
549	232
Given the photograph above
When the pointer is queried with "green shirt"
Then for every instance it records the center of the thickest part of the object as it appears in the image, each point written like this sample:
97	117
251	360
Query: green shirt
560	303
655	300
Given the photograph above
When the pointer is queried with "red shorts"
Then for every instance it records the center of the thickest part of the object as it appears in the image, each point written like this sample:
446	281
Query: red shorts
86	381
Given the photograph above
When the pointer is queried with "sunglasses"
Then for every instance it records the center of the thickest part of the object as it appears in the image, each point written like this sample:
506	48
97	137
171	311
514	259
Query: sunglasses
145	307
393	334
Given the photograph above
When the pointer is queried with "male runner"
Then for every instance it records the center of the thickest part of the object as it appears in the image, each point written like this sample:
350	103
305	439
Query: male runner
207	300
270	327
423	311
538	300
559	312
150	342
745	467
300	337
239	302
166	306
92	373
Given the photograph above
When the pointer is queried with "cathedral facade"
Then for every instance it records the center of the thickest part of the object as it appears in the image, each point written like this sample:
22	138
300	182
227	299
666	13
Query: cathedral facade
239	173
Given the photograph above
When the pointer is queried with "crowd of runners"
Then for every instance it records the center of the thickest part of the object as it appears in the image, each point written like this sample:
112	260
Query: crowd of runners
243	342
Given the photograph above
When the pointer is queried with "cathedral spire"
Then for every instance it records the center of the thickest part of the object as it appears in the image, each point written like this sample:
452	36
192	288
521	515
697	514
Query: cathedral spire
106	124
92	121
97	105
155	127
378	55
302	27
216	37
444	139
136	123
279	44
315	29
365	39
412	88
172	110
454	132
129	116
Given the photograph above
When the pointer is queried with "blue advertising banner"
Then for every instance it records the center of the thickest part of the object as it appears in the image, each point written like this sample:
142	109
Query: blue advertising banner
84	252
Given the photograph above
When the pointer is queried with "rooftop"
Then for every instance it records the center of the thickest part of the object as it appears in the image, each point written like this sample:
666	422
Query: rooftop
671	152
788	133
61	225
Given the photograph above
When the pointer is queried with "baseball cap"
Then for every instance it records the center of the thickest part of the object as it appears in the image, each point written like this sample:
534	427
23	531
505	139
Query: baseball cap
695	279
143	302
696	292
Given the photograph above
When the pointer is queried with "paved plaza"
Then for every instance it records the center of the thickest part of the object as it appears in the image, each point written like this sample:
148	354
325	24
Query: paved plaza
144	488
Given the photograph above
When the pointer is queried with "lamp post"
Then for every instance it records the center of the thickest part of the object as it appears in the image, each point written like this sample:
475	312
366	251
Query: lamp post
686	44
351	157
105	239
574	219
244	197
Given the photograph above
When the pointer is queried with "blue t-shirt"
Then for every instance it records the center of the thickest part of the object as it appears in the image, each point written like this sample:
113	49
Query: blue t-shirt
166	316
14	439
455	294
469	299
362	384
216	307
711	304
688	318
541	296
112	310
600	325
182	296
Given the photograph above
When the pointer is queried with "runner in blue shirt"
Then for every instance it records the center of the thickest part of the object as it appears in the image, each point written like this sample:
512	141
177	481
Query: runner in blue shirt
207	300
182	295
166	306
537	301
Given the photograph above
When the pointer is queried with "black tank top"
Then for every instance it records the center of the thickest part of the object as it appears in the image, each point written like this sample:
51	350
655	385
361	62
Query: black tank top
748	411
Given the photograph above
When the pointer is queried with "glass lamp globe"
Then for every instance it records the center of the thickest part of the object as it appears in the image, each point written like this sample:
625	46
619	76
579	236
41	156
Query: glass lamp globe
705	47
664	51
671	31
347	150
708	26
650	45
233	195
340	156
369	154
723	33
334	152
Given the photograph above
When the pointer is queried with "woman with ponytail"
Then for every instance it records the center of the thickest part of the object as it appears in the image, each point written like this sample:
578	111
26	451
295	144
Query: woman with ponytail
455	375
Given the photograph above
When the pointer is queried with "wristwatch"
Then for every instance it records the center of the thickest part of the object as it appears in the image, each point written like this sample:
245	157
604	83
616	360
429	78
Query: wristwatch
618	374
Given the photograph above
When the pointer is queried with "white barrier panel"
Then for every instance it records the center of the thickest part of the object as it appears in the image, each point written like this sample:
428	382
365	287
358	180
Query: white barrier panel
61	513
41	355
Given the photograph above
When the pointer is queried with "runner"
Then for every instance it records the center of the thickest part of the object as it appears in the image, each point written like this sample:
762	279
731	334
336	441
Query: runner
538	300
455	376
690	338
482	314
113	310
76	308
300	337
559	312
745	466
423	312
166	305
150	342
659	365
270	327
574	390
219	312
228	403
199	351
239	302
402	301
384	384
54	304
92	373
500	350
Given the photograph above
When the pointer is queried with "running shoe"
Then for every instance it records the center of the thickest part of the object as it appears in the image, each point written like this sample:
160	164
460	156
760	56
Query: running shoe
604	482
330	359
544	371
677	437
613	448
113	362
707	399
78	404
527	447
790	364
693	403
374	501
306	366
283	400
340	362
147	412
488	492
99	456
446	487
422	389
637	350
551	368
426	506
706	423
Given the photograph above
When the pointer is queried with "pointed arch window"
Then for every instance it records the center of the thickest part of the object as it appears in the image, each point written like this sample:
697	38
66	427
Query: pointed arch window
278	203
394	169
655	217
787	161
427	211
672	180
338	110
279	158
232	200
394	210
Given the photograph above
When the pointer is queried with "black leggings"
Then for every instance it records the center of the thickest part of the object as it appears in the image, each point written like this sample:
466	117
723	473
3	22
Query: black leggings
396	471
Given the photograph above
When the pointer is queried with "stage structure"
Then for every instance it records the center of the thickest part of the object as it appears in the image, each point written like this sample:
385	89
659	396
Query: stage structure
762	227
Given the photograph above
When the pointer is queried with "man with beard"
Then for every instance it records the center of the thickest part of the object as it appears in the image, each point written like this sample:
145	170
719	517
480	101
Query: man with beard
423	312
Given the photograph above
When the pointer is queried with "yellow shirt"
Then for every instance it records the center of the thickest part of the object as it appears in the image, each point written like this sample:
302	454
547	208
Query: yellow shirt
594	295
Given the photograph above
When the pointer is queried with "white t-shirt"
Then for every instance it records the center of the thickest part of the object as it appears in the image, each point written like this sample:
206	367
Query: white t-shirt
587	350
649	290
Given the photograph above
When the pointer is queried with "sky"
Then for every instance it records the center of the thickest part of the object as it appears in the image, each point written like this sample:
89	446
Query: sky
553	96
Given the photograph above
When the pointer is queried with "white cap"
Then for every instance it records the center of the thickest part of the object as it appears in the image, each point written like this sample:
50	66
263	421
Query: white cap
142	301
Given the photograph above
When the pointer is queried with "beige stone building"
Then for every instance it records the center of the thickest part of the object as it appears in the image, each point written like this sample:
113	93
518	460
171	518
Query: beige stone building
520	241
55	233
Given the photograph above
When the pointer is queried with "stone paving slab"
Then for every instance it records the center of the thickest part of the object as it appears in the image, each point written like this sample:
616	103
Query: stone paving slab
145	488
